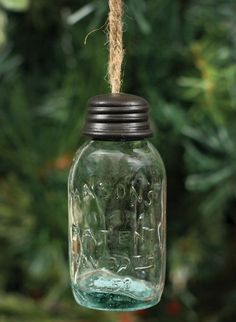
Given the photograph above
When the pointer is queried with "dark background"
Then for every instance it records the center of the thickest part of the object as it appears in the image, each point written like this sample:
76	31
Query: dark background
181	56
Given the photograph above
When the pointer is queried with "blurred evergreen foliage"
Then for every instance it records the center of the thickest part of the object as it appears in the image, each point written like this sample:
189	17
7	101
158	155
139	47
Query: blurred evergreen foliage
181	56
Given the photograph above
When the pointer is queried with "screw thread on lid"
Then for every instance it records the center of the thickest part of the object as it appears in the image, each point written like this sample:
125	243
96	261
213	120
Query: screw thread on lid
118	117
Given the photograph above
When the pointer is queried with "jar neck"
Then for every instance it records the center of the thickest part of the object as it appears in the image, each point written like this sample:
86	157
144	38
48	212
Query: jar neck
114	145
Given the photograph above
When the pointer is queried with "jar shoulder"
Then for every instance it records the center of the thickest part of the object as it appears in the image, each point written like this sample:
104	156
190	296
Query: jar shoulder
117	158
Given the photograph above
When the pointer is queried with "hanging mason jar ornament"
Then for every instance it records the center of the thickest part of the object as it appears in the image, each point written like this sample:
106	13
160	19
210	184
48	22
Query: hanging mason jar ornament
117	208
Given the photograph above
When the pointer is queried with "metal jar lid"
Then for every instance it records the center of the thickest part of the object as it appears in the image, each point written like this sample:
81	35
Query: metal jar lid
117	117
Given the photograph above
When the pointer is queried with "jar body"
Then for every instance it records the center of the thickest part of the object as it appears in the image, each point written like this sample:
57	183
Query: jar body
117	225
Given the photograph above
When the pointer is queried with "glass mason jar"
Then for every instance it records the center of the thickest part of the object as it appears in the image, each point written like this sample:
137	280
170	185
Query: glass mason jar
117	205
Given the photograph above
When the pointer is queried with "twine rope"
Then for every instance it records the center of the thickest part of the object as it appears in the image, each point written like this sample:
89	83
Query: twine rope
116	52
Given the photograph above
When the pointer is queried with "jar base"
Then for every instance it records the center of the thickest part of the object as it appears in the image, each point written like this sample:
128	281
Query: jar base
110	302
102	290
